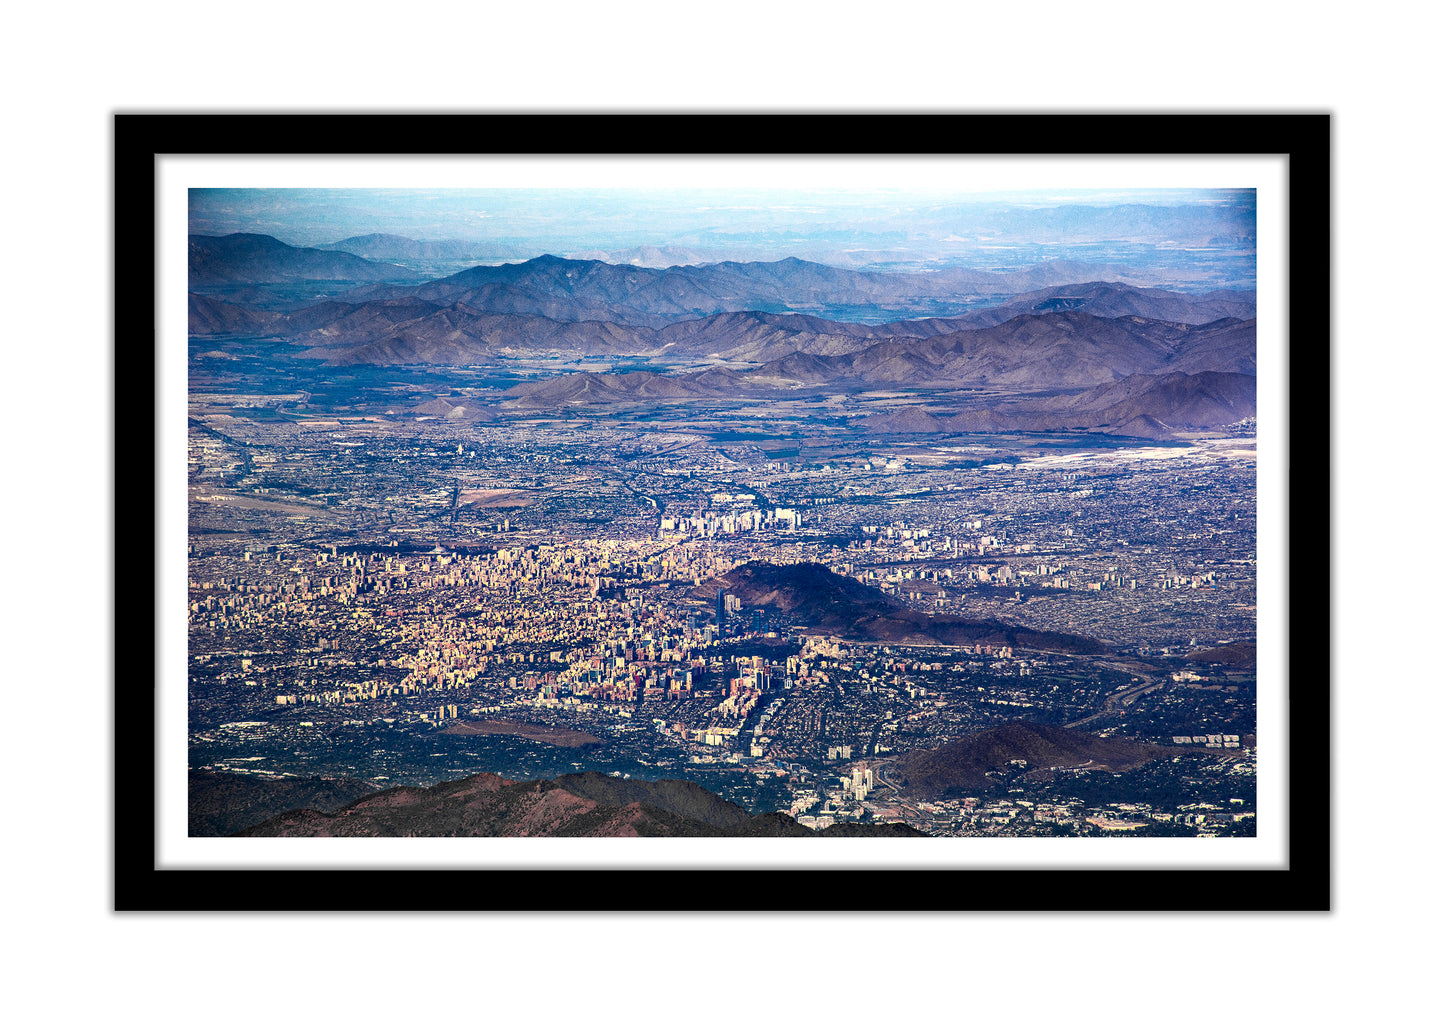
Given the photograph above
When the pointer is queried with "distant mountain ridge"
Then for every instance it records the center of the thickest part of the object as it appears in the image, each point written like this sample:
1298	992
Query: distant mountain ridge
259	259
1135	361
1110	299
1057	350
737	312
639	295
1141	405
381	246
413	329
1158	367
207	315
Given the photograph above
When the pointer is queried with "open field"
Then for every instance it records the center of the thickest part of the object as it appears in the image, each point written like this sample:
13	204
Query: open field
557	736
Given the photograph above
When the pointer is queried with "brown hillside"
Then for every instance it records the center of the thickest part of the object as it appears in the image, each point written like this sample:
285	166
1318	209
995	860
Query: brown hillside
963	766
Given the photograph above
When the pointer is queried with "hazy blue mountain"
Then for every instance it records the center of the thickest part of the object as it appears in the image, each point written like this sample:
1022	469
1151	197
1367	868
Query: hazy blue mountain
1141	405
1111	299
587	290
380	246
207	315
1032	351
259	259
1124	375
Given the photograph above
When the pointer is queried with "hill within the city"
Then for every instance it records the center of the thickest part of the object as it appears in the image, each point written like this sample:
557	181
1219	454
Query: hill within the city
962	767
1239	653
828	603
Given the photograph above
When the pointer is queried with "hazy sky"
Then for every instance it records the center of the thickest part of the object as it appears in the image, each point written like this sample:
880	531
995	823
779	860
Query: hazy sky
314	216
860	227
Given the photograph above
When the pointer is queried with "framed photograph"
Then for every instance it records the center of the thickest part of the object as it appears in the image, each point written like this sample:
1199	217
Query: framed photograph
876	494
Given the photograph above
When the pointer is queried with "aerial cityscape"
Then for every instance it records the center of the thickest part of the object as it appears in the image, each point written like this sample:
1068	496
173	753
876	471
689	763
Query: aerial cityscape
770	513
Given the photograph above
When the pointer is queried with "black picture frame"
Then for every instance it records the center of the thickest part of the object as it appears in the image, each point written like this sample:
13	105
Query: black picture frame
1302	884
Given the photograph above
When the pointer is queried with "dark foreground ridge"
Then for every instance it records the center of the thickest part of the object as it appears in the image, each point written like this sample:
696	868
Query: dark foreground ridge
222	803
577	805
825	602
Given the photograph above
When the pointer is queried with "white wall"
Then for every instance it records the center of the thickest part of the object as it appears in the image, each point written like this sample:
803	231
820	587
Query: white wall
68	68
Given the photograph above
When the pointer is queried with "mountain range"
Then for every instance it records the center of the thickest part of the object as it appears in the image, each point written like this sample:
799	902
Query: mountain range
1068	349
1157	376
210	316
1093	355
1141	406
1031	351
593	290
1112	299
1058	349
590	290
